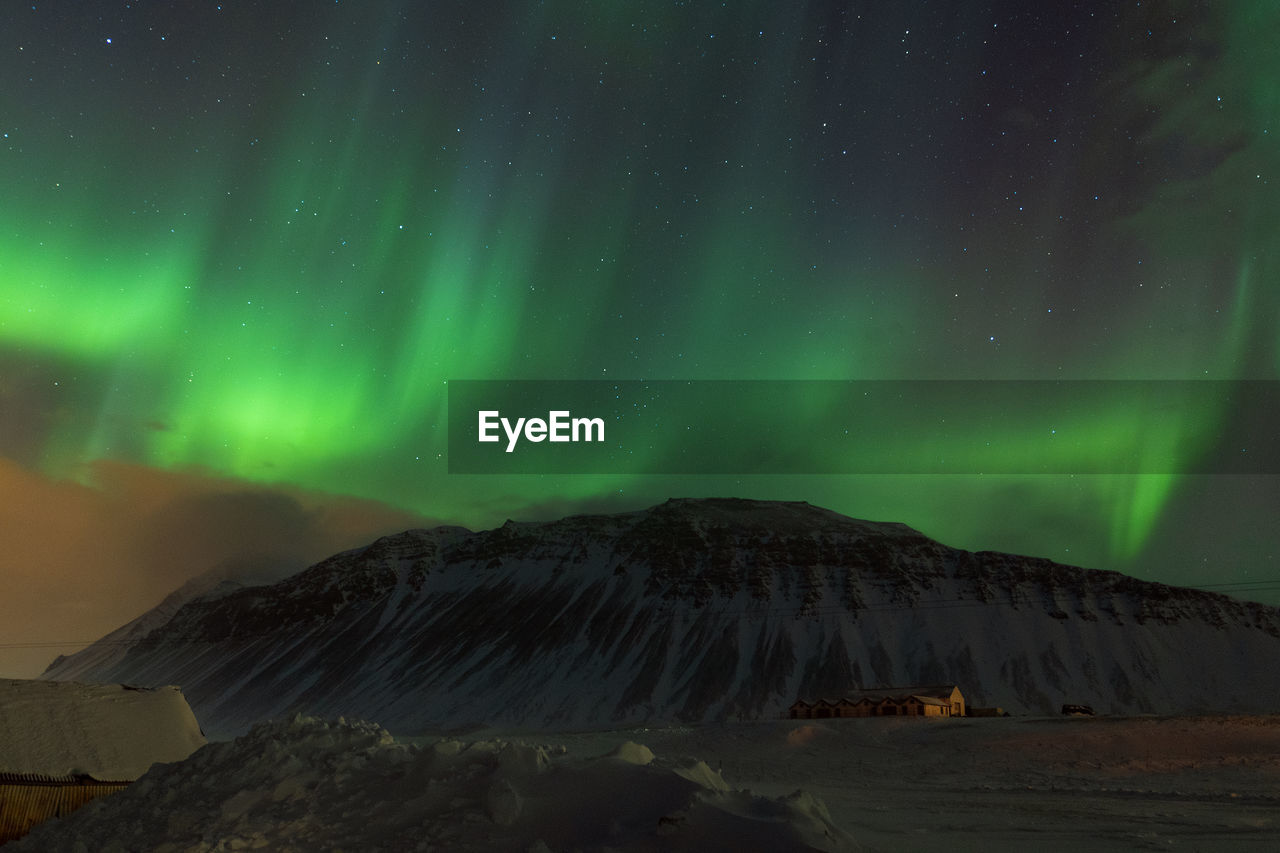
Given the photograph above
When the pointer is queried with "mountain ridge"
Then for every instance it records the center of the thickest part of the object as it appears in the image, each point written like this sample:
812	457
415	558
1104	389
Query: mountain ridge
692	610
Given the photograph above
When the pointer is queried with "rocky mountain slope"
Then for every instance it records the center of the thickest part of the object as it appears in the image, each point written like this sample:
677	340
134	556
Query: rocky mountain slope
691	610
111	649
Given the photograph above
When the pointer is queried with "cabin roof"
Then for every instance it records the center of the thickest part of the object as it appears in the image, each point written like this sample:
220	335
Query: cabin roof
929	694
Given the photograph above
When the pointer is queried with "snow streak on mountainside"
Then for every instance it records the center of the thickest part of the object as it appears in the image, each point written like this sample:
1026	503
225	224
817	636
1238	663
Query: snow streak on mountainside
692	610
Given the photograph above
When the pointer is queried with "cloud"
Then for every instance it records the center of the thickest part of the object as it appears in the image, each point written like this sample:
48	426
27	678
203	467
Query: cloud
82	558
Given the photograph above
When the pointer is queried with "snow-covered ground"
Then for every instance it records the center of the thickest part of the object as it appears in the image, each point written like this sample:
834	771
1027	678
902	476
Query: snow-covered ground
310	785
1048	784
1201	783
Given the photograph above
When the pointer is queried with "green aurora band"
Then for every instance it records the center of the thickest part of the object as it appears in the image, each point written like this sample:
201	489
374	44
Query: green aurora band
270	269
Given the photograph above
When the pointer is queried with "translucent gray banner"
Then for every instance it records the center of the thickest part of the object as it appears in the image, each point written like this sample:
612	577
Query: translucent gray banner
863	427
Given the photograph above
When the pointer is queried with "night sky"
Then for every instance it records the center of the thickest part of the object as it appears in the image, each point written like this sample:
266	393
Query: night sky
245	245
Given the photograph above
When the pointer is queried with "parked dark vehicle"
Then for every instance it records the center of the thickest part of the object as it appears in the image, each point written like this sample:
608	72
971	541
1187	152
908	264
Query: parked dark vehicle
1077	710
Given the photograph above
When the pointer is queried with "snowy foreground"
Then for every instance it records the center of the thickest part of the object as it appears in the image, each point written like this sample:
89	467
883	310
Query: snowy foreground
308	785
1202	783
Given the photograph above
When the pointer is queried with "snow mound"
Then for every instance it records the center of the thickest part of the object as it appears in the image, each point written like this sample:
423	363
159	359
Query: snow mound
307	784
107	731
633	753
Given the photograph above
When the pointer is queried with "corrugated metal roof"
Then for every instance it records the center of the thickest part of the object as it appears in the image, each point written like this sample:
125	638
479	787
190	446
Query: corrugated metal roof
42	779
30	799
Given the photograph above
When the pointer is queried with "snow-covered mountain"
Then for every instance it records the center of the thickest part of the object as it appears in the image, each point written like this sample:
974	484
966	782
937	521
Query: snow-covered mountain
86	663
691	610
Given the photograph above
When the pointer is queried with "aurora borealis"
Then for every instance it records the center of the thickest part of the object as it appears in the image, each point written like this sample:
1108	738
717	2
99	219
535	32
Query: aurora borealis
248	244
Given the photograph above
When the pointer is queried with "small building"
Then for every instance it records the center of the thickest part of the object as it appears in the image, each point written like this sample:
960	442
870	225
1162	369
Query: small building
27	799
63	744
822	710
915	701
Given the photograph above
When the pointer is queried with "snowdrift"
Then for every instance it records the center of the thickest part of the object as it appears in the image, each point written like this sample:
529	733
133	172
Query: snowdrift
306	784
107	731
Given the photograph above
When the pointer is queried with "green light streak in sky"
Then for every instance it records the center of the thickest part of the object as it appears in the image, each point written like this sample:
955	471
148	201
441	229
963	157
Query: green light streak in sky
88	300
286	305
